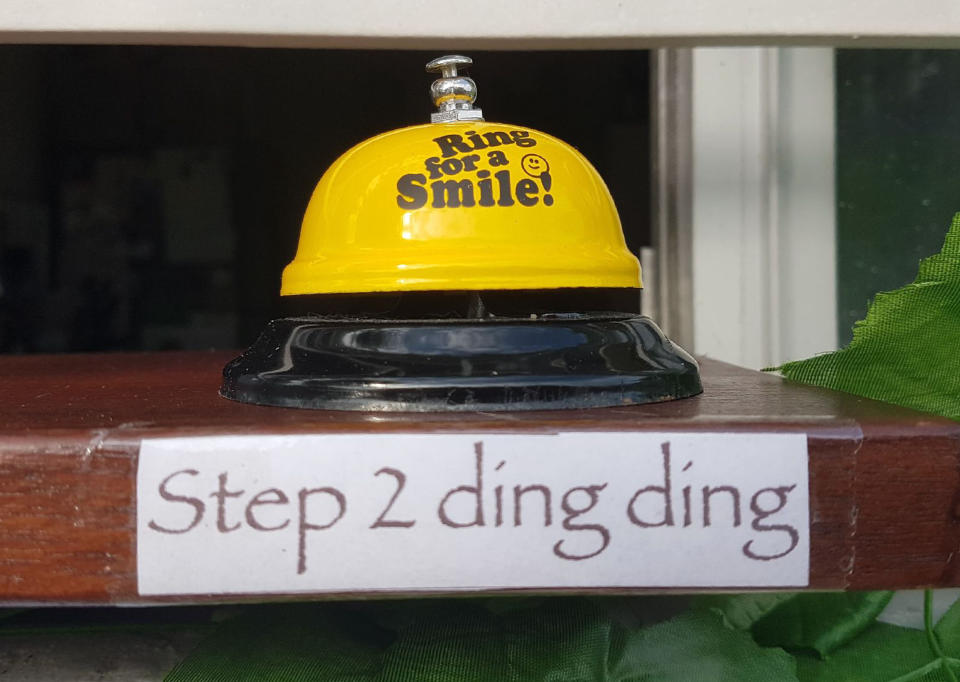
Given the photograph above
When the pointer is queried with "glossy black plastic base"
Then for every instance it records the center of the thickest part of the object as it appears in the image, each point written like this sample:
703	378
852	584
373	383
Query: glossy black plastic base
551	362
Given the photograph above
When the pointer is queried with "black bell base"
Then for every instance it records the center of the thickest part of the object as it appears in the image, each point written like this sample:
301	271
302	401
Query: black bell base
566	361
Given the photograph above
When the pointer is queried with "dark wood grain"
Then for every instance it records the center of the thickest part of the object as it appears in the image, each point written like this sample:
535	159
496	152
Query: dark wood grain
884	481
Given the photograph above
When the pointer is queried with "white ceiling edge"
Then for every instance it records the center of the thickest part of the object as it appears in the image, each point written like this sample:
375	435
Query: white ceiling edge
494	24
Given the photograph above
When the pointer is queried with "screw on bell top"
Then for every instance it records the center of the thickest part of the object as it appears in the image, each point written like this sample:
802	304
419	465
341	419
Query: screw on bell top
453	94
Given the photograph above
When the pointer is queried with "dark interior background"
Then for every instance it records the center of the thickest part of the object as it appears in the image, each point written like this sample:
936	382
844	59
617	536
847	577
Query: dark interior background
150	196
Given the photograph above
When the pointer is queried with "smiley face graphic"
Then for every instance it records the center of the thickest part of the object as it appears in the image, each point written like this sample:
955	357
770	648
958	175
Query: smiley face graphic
534	165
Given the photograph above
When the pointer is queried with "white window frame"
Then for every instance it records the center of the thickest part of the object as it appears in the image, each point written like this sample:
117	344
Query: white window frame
743	267
763	215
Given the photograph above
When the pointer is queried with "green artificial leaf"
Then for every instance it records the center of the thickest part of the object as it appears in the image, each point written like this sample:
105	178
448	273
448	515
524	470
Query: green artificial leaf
948	630
698	646
890	653
947	667
934	671
452	640
905	351
820	621
880	654
560	640
741	611
287	642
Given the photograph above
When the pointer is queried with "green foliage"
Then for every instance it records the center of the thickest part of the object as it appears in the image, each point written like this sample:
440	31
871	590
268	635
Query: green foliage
882	653
905	351
697	646
559	639
809	638
741	611
821	622
948	630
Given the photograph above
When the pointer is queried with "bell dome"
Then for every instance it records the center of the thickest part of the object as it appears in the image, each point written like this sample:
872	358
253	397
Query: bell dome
460	204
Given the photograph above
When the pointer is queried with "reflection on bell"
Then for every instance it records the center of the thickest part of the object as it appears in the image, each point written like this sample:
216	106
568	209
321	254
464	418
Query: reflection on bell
461	265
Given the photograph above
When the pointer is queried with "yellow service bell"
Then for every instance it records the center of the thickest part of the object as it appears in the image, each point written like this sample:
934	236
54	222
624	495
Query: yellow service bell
461	265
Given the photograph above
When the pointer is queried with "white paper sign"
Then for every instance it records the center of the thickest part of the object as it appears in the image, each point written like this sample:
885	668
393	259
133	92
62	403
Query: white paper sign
439	512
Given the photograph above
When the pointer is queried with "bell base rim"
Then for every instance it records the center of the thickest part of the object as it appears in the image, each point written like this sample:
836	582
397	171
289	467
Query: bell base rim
290	366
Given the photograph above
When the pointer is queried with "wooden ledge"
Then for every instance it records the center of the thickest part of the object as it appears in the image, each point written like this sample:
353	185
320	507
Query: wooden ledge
884	481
